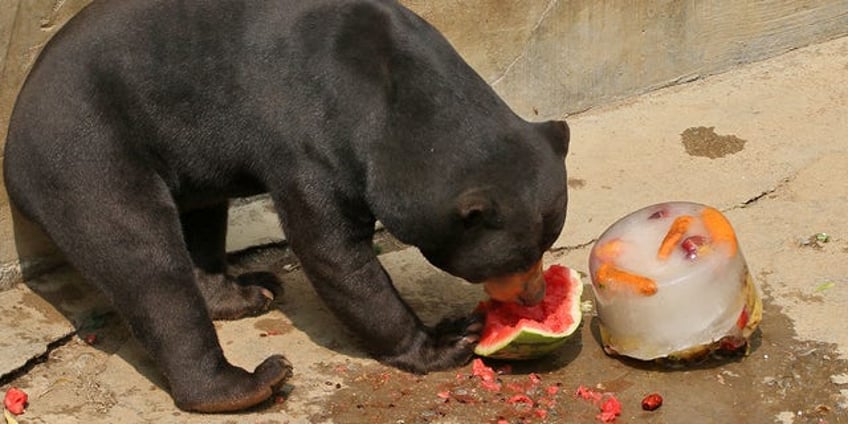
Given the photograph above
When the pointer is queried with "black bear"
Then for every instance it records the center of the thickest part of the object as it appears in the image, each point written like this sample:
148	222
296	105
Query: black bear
141	119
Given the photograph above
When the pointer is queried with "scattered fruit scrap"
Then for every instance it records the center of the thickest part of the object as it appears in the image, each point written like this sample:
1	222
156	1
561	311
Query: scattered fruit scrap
484	391
652	402
827	285
15	401
536	400
90	339
486	374
815	241
528	399
607	402
610	408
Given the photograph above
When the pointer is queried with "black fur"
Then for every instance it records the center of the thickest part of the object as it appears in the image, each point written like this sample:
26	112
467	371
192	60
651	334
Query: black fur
142	118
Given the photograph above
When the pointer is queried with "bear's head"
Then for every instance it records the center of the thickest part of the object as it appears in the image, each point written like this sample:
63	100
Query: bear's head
488	214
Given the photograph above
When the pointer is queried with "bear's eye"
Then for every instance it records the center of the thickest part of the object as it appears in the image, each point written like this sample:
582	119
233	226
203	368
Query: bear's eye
473	218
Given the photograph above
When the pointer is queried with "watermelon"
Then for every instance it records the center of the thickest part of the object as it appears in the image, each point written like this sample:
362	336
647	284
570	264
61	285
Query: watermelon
513	331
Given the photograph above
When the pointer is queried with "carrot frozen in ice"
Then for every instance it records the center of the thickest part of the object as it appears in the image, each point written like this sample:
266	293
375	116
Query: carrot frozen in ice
719	228
674	235
609	250
609	274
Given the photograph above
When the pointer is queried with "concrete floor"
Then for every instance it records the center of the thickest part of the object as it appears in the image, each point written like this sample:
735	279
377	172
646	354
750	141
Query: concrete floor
788	183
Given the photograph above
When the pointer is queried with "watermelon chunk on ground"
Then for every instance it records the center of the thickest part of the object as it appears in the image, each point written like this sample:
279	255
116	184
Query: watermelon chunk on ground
514	331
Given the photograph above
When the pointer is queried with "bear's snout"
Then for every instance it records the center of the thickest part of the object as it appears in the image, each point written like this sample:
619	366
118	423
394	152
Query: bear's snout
525	288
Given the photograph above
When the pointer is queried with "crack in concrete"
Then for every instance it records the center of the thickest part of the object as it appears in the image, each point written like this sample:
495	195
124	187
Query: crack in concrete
13	375
572	247
757	198
741	205
760	196
530	37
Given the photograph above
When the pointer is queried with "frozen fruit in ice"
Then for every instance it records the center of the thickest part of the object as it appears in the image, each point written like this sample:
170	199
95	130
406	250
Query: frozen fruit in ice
671	282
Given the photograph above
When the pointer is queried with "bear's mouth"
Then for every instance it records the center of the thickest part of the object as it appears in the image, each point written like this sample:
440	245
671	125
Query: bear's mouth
525	288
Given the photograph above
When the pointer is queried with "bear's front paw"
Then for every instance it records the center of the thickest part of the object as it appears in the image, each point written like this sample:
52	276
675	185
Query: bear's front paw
447	345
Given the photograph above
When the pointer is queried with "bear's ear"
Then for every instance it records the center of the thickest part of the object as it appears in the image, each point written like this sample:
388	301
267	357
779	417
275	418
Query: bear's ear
476	207
558	135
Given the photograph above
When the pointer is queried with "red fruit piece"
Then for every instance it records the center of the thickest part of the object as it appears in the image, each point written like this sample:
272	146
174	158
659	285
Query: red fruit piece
15	400
662	213
692	246
588	394
732	344
652	402
492	386
520	399
487	374
479	369
743	318
610	409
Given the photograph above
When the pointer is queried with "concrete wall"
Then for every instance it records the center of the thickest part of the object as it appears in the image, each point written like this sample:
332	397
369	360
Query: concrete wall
538	54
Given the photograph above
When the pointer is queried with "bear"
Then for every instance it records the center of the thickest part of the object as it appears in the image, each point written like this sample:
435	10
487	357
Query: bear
140	121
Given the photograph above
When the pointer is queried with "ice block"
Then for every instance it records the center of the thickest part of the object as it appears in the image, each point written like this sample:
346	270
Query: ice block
670	282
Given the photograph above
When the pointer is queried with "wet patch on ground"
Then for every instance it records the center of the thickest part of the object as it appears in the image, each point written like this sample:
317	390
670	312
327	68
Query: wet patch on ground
781	377
272	327
704	142
576	183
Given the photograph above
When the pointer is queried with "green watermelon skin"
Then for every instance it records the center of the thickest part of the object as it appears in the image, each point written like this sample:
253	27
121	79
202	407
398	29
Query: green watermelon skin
518	332
526	346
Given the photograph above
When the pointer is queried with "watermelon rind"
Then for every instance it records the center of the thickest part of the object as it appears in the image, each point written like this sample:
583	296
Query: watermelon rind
531	341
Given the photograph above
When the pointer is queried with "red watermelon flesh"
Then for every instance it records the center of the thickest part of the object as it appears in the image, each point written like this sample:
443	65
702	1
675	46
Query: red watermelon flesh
514	331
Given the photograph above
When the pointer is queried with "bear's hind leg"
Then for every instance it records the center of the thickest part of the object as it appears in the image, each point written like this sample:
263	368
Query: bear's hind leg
124	235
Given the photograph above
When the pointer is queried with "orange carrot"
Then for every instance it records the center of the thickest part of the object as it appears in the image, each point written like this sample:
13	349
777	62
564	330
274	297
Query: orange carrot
608	274
719	228
609	250
675	233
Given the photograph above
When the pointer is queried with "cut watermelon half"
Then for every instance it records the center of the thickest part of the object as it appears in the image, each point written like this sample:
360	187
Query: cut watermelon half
513	331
